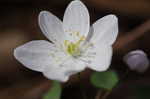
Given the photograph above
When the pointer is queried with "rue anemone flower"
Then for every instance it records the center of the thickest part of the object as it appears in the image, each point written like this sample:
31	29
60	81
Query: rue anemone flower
75	45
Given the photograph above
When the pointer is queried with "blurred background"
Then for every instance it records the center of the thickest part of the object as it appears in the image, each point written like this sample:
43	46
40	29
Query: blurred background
19	24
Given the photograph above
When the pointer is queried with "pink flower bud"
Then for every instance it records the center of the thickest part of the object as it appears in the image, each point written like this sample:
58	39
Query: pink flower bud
137	60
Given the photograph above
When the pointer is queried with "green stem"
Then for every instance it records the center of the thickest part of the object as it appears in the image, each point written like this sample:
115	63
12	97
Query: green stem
54	92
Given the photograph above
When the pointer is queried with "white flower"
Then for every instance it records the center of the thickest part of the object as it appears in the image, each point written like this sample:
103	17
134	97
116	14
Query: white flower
75	45
137	60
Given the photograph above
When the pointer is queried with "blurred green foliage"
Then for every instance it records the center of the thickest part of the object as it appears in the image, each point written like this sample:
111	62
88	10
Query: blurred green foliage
106	80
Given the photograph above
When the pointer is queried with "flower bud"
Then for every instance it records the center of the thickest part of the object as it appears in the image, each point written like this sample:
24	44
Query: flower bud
137	60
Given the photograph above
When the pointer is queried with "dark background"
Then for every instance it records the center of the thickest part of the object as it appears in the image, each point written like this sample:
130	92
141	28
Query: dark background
18	25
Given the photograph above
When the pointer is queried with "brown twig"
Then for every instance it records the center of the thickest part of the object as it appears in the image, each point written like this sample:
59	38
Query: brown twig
127	7
98	95
106	95
26	89
132	35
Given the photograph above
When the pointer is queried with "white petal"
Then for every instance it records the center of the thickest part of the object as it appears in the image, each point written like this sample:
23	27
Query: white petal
61	72
76	21
98	57
51	27
55	73
35	55
105	30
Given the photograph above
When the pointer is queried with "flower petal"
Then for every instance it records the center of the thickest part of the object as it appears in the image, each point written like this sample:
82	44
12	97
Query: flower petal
105	30
51	27
61	72
55	73
98	57
35	55
76	21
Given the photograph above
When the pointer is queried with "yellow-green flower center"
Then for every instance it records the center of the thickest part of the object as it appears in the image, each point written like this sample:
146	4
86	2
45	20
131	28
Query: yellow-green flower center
73	48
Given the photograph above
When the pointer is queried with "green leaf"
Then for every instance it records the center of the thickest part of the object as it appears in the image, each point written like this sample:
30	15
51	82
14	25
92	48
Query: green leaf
54	92
106	80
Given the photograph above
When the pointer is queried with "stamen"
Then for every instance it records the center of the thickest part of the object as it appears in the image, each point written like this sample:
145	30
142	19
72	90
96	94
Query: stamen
73	48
